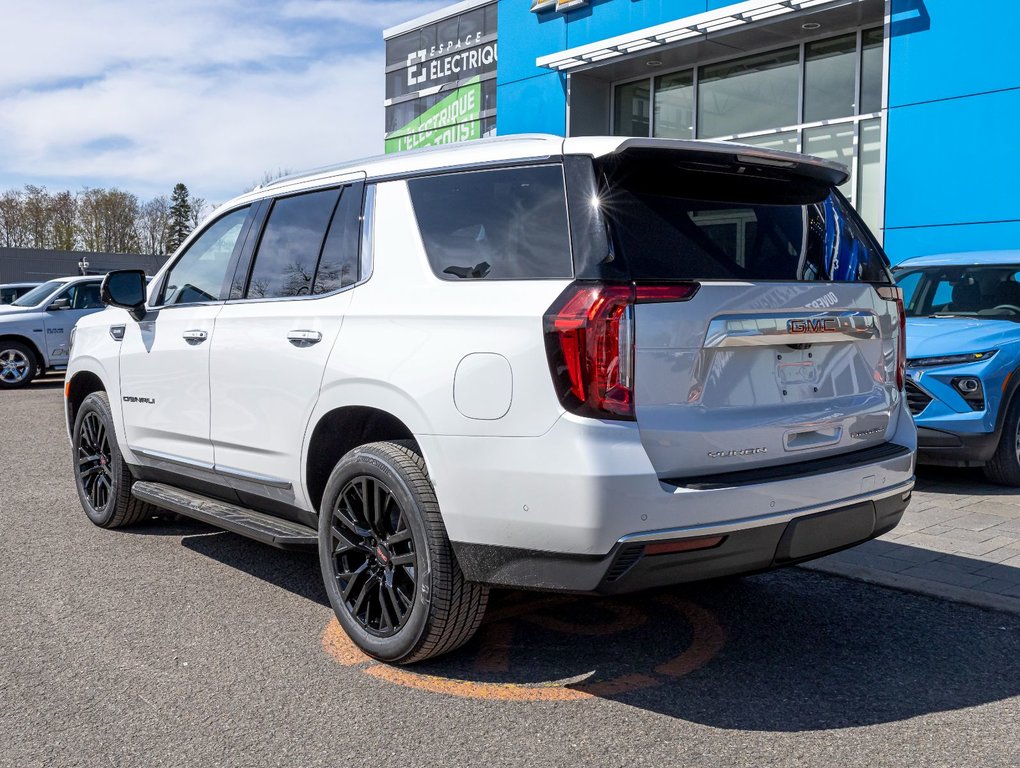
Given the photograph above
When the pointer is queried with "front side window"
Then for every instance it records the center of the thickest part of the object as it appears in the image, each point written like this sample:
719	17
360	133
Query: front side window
506	224
83	296
290	246
199	275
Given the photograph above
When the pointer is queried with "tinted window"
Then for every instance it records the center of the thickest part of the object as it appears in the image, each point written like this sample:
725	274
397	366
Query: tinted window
37	294
199	274
990	291
675	221
338	266
497	225
290	245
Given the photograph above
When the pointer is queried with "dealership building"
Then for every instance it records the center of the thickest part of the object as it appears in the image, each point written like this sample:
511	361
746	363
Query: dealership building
920	99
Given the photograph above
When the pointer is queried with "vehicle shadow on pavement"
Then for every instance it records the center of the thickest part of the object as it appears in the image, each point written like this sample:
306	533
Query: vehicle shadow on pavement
786	651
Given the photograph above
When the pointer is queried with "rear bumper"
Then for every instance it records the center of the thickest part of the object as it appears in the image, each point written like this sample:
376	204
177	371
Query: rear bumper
956	449
631	565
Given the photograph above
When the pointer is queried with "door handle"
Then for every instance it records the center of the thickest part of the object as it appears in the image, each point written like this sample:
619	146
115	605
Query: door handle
304	338
195	337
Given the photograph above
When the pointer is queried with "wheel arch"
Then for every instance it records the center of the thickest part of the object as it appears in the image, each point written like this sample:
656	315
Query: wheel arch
27	342
341	430
76	389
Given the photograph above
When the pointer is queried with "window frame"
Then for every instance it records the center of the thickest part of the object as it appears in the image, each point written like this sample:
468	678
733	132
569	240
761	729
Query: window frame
158	290
246	263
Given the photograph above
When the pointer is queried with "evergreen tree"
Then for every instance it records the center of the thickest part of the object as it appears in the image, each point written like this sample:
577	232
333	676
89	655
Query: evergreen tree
180	217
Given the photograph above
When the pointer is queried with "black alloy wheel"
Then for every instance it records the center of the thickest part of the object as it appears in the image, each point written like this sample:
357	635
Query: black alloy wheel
375	562
95	462
101	477
387	563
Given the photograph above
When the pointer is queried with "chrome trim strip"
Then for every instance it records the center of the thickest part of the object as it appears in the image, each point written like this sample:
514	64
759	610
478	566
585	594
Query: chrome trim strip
160	456
757	522
802	328
240	474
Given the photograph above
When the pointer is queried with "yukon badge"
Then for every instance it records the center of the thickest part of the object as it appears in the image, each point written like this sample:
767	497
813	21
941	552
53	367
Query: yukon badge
740	452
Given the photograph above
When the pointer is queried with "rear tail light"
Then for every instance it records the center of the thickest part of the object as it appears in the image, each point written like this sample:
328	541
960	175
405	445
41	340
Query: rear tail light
893	293
589	332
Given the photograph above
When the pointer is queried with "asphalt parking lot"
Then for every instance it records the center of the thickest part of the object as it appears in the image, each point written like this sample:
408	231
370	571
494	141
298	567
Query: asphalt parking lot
174	644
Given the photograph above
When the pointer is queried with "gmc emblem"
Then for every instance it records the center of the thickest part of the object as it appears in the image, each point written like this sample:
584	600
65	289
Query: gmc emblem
808	325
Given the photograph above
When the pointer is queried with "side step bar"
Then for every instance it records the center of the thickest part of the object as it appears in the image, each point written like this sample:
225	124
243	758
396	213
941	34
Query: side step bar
274	531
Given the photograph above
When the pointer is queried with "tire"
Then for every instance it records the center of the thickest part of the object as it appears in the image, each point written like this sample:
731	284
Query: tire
1004	466
18	365
392	578
101	477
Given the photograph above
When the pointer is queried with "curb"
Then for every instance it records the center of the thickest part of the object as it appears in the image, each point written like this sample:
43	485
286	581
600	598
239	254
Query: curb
951	592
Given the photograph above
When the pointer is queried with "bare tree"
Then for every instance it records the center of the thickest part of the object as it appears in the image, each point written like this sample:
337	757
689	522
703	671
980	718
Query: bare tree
64	207
154	225
13	232
38	214
108	220
199	206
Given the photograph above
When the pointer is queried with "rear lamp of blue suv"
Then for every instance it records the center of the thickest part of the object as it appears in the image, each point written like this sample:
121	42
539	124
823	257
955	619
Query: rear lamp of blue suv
592	365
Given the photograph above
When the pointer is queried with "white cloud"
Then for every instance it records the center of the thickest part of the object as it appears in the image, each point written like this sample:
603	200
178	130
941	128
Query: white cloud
209	92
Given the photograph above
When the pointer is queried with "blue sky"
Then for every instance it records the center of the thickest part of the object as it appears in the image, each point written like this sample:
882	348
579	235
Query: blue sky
141	94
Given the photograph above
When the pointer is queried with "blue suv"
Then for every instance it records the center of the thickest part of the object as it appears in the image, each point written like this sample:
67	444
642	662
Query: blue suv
963	351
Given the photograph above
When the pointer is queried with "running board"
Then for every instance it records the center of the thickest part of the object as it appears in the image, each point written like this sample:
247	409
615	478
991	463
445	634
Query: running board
274	531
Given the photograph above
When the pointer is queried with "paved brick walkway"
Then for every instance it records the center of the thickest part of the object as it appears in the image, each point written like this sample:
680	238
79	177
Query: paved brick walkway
959	538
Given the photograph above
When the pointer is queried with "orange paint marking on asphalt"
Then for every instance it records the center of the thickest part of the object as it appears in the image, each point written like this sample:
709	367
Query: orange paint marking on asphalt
497	642
340	647
627	618
466	689
709	638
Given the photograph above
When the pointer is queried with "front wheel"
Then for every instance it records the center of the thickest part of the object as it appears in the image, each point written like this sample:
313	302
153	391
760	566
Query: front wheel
1004	466
101	476
387	563
18	365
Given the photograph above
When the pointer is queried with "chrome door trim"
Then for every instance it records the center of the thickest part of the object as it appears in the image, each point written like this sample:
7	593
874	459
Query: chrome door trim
238	474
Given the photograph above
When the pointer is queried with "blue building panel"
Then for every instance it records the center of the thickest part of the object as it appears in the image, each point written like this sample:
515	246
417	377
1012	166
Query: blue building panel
943	49
903	244
534	105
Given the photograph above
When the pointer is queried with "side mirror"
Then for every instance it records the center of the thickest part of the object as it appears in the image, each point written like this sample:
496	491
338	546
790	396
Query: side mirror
59	304
125	288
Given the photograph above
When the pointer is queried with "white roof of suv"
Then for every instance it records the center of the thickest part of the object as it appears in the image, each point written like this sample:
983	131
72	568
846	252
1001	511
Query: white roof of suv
533	147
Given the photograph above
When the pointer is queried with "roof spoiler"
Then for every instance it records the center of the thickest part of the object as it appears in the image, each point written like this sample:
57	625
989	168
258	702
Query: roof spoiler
730	156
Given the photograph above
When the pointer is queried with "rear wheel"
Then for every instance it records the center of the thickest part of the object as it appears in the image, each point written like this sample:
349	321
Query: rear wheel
17	364
101	477
387	563
1004	466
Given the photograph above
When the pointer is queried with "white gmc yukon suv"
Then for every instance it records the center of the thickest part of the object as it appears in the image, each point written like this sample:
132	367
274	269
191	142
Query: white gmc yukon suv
592	364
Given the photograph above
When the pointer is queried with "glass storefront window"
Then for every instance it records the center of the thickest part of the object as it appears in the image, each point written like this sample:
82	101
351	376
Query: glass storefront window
674	105
871	178
830	69
786	141
632	109
871	71
833	142
750	94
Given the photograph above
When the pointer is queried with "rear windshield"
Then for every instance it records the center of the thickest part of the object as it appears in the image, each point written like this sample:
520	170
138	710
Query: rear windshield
500	224
670	222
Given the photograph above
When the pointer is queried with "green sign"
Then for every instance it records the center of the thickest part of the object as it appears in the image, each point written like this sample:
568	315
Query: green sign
455	118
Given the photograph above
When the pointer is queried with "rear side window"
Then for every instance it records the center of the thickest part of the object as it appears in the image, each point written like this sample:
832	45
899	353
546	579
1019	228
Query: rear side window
290	246
338	266
503	224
